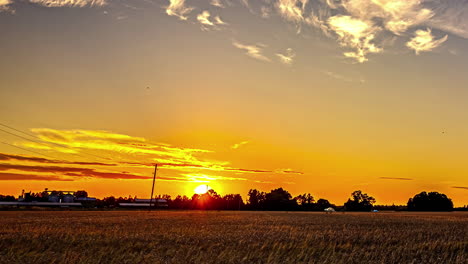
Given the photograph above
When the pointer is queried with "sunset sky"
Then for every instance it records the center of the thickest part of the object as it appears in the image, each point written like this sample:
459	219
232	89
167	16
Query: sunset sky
319	96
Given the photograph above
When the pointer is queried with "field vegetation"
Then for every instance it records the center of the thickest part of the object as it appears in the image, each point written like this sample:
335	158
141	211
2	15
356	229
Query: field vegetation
232	237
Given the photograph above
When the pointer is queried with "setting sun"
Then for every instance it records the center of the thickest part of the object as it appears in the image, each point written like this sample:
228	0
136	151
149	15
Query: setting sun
202	189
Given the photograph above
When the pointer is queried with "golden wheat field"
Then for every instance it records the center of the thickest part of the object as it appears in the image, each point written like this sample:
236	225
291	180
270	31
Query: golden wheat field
231	237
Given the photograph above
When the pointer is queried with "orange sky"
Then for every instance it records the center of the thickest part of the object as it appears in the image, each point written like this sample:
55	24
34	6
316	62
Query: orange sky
325	97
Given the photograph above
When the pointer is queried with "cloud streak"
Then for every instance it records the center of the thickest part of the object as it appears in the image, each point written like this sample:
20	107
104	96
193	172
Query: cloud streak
71	171
70	3
218	3
129	150
29	177
460	187
286	58
396	178
4	156
238	145
253	51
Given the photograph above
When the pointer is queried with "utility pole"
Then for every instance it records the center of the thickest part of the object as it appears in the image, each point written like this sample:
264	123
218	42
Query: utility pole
152	188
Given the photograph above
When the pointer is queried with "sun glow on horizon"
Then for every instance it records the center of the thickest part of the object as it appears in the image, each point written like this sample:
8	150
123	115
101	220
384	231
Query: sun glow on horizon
201	189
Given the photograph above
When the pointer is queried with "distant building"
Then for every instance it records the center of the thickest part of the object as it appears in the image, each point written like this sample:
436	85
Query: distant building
142	203
53	198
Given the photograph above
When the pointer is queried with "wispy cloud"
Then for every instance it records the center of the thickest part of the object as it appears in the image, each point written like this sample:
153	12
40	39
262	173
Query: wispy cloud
424	41
341	77
254	51
396	178
217	3
238	145
265	12
337	76
450	16
355	33
179	9
460	187
362	27
358	23
72	171
292	10
219	21
288	171
4	156
5	6
204	19
397	15
287	57
245	3
127	153
8	176
69	3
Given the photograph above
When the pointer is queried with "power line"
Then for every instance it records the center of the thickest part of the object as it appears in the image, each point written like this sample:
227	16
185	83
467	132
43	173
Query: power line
46	144
12	128
32	151
32	140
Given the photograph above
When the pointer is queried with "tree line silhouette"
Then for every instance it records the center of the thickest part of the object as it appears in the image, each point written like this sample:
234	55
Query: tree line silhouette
276	200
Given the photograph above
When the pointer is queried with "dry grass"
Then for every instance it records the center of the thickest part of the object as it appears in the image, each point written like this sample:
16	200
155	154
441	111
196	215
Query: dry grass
232	237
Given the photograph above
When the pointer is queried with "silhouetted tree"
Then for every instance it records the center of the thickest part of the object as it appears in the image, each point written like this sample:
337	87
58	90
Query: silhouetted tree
322	204
233	202
305	201
207	201
359	202
180	202
279	199
7	198
256	199
109	201
81	194
432	201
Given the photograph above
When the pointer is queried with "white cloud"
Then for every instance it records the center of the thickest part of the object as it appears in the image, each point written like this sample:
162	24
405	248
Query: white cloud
177	8
217	3
287	57
424	41
219	21
4	5
333	4
363	24
204	19
265	11
397	15
69	3
292	10
254	51
356	34
245	3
